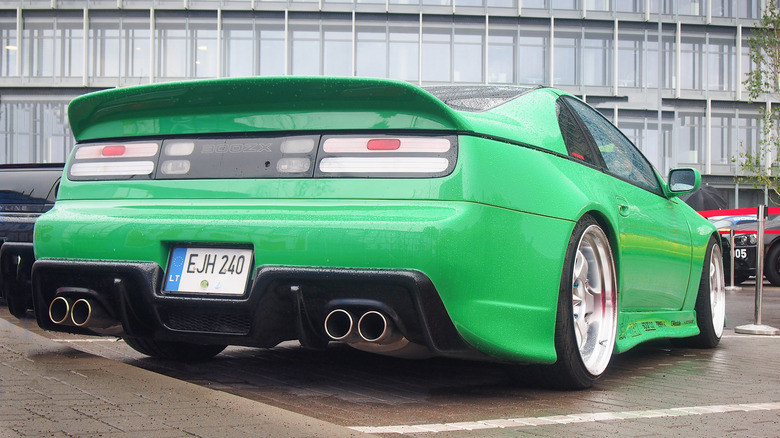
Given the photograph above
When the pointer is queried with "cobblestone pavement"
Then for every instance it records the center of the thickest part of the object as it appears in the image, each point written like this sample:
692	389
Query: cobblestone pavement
653	390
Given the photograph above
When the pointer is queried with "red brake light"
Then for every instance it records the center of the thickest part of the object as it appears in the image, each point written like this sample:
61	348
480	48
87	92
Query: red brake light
113	151
383	144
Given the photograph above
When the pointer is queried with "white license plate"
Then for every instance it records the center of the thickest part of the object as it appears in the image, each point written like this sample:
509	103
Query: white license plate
209	270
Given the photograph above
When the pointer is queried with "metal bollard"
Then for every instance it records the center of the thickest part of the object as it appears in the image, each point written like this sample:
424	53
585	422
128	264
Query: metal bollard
757	328
732	287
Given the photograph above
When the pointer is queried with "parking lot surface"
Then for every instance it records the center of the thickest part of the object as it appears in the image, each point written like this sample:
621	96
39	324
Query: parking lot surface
54	384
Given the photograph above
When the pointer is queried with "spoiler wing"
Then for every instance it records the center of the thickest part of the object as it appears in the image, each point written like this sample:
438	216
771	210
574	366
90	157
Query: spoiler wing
258	104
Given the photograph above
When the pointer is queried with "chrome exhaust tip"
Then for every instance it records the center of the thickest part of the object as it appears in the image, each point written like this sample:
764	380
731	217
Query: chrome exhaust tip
81	312
375	327
84	313
338	325
59	310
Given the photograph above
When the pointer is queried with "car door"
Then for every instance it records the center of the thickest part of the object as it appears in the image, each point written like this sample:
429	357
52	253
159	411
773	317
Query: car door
654	237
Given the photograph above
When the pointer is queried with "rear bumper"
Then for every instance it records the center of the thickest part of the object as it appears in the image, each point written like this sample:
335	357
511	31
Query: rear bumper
283	303
493	272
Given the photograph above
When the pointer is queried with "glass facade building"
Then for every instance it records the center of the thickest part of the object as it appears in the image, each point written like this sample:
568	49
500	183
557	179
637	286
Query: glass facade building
668	72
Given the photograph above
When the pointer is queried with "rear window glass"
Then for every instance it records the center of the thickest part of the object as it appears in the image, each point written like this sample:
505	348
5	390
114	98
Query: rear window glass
475	98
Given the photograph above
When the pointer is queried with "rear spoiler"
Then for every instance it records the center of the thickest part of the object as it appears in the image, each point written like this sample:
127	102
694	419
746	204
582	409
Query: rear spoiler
258	104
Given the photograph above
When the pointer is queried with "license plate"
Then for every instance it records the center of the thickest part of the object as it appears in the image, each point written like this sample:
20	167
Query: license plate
208	270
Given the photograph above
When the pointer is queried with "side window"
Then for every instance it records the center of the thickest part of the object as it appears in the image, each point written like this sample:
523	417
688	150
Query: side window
620	155
577	142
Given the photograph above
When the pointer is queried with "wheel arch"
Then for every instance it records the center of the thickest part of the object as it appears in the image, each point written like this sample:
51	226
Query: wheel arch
612	234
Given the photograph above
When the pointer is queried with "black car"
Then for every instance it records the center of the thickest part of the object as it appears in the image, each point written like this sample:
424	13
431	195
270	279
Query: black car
745	243
26	192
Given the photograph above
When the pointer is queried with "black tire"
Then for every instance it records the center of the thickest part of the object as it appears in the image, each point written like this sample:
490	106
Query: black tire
179	351
18	295
710	301
18	305
576	367
740	278
772	265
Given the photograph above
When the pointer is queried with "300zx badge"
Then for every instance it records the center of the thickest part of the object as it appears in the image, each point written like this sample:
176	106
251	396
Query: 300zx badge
236	148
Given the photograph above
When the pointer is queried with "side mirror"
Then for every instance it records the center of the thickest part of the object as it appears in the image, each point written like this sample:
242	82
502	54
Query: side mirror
682	181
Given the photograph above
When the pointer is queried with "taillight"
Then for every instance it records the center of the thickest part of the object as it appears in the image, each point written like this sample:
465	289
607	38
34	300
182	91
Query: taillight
386	156
128	150
290	156
394	165
412	145
111	161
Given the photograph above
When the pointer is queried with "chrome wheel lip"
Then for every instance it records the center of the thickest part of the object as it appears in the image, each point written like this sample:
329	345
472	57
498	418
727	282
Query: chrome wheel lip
717	291
594	300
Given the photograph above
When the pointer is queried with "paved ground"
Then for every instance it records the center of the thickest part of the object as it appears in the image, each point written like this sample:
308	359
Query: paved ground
49	388
62	385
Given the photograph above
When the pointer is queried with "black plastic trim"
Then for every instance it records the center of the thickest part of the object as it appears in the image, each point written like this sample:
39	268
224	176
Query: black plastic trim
283	303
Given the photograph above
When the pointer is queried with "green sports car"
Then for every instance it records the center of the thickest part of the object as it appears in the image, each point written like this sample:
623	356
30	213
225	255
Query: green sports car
496	223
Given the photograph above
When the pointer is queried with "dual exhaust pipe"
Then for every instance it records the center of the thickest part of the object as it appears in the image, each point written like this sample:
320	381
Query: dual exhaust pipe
80	313
373	327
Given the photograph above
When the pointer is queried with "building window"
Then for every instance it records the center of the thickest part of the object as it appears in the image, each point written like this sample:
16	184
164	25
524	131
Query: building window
747	64
137	48
52	44
321	46
722	137
745	9
104	45
691	136
567	54
749	9
203	34
186	45
34	132
691	7
238	45
388	48
600	5
583	54
469	3
533	52
9	46
535	4
270	33
571	5
722	8
662	7
630	6
468	50
631	56
502	43
119	46
692	53
512	4
171	39
721	63
638	56
748	133
305	50
337	47
597	55
253	44
404	36
371	49
437	50
667	58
